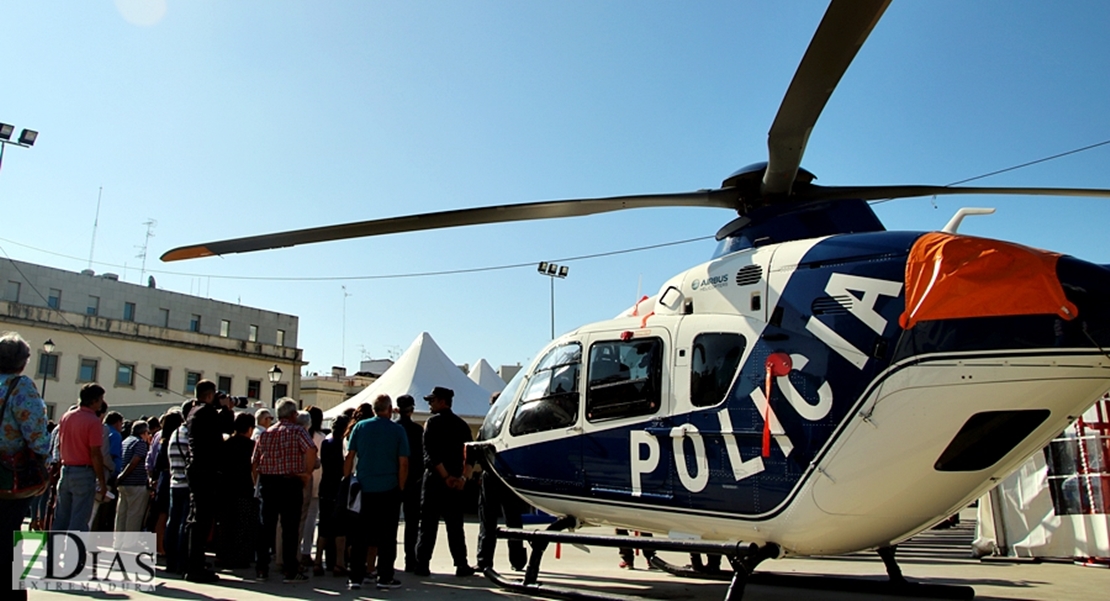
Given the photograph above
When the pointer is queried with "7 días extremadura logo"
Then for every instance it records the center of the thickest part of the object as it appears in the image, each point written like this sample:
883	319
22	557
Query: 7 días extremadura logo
83	561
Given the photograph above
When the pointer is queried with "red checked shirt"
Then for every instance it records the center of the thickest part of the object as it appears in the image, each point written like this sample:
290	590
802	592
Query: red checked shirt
280	449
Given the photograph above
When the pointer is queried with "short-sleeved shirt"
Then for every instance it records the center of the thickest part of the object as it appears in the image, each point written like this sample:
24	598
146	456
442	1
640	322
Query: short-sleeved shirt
131	447
79	431
379	444
25	421
280	449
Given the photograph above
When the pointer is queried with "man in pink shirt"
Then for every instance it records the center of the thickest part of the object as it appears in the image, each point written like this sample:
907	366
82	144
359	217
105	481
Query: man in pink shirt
80	436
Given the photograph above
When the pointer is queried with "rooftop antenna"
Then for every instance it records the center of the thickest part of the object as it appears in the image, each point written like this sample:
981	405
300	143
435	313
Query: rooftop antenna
96	222
150	224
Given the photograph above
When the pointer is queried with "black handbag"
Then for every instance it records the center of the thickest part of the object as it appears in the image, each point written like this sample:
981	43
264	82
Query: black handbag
23	474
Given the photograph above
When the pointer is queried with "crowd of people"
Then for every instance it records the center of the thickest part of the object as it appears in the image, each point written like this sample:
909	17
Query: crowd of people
272	486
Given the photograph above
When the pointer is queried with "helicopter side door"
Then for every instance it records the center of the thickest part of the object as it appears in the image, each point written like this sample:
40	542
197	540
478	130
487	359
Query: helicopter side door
627	404
708	462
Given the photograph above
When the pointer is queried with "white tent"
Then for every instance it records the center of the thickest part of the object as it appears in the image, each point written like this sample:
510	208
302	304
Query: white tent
484	375
422	367
1055	504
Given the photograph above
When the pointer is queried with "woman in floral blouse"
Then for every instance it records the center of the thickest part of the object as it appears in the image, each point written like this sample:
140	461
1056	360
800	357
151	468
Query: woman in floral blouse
23	423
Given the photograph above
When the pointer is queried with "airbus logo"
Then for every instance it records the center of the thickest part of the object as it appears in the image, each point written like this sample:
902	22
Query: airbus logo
715	281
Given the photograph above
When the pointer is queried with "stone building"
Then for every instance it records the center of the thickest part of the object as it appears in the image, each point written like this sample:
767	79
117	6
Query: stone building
147	347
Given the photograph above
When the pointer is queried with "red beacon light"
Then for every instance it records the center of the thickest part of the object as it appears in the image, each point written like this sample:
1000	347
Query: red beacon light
626	336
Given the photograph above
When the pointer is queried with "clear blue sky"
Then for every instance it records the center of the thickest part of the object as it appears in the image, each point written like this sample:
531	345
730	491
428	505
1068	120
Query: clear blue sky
225	119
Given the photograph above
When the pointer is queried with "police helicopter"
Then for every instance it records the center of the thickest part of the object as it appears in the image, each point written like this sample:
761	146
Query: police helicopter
820	386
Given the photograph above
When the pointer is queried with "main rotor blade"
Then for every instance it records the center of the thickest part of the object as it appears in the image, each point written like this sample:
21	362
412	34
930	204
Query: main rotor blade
815	192
720	198
842	32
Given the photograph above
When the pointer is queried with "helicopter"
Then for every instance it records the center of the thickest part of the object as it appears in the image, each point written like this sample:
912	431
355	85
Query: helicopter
820	386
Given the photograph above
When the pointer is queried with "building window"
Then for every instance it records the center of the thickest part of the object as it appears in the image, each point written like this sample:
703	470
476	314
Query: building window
125	375
161	379
254	389
253	335
224	384
281	337
129	311
165	315
93	307
11	291
194	323
48	365
191	379
280	391
225	328
87	371
54	301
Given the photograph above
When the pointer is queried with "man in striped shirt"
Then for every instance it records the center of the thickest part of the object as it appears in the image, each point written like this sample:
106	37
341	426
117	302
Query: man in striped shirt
176	542
132	482
284	458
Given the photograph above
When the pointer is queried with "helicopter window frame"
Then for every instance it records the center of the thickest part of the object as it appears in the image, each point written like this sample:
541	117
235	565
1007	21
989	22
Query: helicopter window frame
627	390
717	372
550	398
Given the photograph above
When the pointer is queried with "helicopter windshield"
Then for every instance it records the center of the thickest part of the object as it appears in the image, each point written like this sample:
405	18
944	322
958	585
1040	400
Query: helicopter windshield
495	418
550	399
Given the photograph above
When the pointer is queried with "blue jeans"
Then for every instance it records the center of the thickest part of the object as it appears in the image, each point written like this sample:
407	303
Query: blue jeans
175	541
76	491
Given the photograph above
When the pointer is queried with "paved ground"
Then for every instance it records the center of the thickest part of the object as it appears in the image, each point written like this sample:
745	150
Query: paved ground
937	557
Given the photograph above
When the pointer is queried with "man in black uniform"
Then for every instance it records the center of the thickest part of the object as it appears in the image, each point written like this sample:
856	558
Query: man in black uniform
445	477
209	421
494	501
410	497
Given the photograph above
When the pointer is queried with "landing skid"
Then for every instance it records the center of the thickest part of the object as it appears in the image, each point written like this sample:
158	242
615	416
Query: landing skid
743	559
896	586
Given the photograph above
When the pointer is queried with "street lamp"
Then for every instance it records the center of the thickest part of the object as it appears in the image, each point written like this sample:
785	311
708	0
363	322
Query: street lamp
26	138
275	377
553	271
48	349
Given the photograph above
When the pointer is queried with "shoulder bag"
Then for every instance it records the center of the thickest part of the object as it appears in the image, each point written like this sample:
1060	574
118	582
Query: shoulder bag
23	474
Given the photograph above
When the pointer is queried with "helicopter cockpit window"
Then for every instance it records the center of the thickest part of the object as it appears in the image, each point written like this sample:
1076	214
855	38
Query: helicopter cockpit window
495	418
550	397
713	362
625	379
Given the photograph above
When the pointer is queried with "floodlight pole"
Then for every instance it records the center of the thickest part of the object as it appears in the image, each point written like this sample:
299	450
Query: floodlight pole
552	308
553	271
26	139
